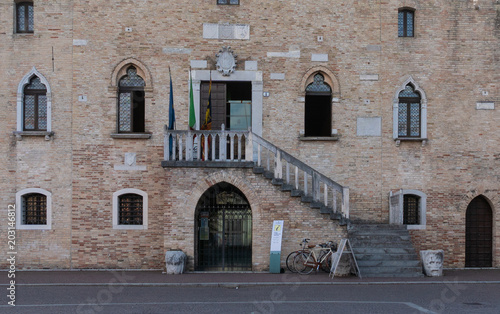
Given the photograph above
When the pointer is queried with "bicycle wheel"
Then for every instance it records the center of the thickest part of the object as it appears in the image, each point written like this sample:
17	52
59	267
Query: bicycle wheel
289	261
299	263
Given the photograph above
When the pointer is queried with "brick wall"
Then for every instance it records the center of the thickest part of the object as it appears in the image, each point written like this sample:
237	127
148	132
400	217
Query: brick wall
453	58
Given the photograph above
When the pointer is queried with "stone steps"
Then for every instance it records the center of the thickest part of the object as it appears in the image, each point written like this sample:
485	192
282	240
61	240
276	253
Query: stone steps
360	244
308	200
385	257
389	263
384	251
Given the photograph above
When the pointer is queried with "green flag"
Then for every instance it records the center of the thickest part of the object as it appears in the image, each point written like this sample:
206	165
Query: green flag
192	116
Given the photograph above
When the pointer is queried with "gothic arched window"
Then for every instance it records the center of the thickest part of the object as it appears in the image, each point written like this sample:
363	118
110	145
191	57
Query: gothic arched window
131	105
35	106
409	113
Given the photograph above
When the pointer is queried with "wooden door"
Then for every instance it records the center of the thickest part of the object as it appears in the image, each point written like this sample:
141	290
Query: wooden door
478	234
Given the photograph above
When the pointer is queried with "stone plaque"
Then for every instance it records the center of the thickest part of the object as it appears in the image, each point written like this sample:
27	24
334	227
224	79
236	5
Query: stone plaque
369	126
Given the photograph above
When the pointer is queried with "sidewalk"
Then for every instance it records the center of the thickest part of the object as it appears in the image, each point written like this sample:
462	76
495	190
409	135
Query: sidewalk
95	277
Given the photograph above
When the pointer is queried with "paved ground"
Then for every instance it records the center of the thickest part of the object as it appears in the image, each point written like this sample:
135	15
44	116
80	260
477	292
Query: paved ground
52	292
247	278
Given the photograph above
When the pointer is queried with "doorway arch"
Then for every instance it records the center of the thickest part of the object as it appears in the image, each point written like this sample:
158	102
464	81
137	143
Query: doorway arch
223	230
479	233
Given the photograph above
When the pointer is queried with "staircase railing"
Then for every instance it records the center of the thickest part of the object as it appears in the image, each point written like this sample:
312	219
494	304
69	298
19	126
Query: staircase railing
225	146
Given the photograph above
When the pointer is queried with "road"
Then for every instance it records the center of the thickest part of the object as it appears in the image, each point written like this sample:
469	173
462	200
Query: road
447	297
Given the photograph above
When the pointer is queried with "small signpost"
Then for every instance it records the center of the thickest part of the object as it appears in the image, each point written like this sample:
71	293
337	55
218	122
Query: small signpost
344	248
275	257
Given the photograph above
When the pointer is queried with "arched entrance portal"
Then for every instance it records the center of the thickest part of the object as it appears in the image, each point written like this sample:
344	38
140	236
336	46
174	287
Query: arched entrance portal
478	233
223	230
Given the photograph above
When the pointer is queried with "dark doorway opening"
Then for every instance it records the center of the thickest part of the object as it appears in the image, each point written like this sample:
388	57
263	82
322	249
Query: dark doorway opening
479	234
223	230
138	112
231	104
318	114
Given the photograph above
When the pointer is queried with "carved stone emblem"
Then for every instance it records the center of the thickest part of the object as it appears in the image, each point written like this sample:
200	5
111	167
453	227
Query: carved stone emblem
226	61
130	159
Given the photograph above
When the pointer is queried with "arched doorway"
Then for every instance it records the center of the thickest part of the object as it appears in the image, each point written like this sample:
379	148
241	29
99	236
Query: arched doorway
223	230
478	233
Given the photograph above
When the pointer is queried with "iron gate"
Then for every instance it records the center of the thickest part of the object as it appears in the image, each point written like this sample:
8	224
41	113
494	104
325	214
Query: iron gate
223	230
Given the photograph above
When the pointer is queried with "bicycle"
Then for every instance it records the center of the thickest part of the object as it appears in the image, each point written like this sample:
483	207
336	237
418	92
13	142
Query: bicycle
291	256
319	256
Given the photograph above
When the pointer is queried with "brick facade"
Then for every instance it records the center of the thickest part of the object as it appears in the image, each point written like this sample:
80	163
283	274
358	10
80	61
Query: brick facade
81	47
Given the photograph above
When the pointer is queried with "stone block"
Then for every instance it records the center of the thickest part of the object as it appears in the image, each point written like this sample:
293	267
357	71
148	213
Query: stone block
175	262
432	262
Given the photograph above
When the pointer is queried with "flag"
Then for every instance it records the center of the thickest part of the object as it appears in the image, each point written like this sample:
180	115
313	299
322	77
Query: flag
192	115
171	115
171	112
207	123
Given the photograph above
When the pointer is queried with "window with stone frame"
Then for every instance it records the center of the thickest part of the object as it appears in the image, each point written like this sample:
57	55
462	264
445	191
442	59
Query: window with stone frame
34	209
228	2
35	106
24	17
130	209
409	113
131	103
406	22
408	207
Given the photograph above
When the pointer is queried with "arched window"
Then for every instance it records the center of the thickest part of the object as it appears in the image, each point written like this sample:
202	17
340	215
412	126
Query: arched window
131	104
130	209
409	113
406	25
318	108
33	209
24	17
35	106
34	103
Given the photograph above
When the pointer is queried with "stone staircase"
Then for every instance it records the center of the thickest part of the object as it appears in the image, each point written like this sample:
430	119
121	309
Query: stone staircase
305	199
384	250
246	149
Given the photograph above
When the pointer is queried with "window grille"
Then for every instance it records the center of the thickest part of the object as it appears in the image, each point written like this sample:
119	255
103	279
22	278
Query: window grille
409	113
228	2
35	106
130	209
34	209
24	17
410	210
406	23
131	104
318	85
